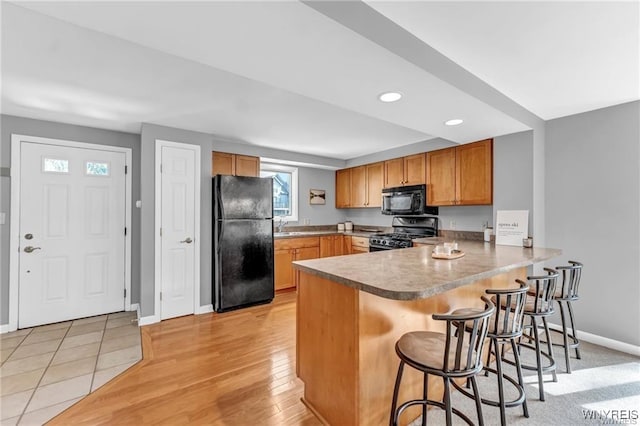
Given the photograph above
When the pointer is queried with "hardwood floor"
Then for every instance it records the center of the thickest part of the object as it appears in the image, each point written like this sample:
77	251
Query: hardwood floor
236	368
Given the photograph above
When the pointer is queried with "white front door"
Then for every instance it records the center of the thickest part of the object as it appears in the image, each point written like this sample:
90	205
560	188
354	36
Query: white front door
72	233
178	248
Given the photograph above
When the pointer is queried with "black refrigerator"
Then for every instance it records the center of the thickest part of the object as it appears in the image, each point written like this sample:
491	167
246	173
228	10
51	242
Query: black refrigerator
242	241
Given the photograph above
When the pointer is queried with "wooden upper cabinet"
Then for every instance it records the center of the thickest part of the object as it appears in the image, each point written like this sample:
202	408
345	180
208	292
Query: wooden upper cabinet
358	187
375	182
414	169
441	177
403	171
247	165
223	163
393	172
462	175
343	188
474	173
366	185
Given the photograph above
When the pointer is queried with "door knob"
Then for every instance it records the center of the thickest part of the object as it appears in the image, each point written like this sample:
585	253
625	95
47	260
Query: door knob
187	240
29	249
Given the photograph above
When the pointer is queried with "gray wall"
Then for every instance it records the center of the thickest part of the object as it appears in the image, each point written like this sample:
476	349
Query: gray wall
25	126
592	214
307	177
513	174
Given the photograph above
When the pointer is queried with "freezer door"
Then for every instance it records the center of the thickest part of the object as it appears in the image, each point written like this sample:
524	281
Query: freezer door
243	268
242	197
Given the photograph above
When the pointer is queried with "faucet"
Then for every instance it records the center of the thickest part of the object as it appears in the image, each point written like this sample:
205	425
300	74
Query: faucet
281	224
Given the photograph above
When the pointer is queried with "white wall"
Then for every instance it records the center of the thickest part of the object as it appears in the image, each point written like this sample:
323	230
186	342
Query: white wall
593	214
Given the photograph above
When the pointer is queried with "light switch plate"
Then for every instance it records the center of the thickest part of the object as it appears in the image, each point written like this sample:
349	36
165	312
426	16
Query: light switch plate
138	204
3	218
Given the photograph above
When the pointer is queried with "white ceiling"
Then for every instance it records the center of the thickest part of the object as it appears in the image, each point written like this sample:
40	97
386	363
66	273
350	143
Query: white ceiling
290	76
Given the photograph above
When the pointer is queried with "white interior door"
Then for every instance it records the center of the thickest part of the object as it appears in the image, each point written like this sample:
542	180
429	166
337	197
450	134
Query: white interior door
178	248
72	233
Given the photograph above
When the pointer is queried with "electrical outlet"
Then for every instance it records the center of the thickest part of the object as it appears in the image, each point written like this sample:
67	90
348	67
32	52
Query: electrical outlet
307	221
452	224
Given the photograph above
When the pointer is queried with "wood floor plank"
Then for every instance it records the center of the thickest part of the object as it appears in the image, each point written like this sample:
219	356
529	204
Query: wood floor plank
231	368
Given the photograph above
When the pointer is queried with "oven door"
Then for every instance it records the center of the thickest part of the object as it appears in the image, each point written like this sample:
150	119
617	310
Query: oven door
378	248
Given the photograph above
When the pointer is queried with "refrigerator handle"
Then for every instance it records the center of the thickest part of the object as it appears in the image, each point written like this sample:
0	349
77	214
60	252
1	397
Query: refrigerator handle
220	205
220	234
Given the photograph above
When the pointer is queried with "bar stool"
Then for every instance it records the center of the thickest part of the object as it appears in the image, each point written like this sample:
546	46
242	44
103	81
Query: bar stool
505	327
456	354
539	306
564	295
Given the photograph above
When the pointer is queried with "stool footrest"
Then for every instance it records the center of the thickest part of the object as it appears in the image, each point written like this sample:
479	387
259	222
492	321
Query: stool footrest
435	404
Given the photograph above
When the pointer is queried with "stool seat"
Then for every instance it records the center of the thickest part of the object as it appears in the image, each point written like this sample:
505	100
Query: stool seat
426	348
455	354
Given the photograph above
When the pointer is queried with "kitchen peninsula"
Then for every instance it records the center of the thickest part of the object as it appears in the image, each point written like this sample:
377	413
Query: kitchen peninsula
352	309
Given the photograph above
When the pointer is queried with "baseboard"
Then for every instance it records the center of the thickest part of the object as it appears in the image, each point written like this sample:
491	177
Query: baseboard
206	309
134	307
4	328
616	345
151	319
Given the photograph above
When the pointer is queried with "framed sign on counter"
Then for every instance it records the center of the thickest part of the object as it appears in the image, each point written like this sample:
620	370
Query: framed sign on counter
512	226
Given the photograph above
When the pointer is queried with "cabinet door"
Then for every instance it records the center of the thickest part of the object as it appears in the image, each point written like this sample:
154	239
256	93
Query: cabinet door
394	172
474	173
441	177
247	165
414	166
306	253
343	188
346	244
222	164
375	182
331	245
358	187
326	246
283	271
338	245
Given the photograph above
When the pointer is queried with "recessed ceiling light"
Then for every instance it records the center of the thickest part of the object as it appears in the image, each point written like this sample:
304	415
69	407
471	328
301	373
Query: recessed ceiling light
390	96
453	122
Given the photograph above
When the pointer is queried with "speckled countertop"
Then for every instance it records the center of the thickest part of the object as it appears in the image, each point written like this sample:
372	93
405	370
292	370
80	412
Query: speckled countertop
410	274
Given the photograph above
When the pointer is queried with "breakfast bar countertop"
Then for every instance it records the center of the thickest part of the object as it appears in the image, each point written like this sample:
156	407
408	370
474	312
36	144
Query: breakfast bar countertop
411	274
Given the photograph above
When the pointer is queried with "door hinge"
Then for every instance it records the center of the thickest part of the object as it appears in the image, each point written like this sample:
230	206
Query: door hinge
160	167
126	169
160	295
125	230
125	293
161	232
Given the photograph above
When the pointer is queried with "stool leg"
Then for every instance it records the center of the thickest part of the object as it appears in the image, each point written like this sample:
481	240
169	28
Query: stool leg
486	372
565	338
447	400
393	419
550	347
476	394
503	420
574	334
536	341
425	389
516	356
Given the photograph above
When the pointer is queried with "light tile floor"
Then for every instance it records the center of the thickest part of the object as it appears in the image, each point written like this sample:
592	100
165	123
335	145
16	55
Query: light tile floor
47	369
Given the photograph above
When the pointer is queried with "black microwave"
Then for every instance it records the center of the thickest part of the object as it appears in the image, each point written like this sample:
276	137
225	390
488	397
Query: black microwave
406	200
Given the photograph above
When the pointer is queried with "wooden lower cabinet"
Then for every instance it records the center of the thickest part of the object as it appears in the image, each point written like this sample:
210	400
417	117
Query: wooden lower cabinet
287	251
331	245
359	245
